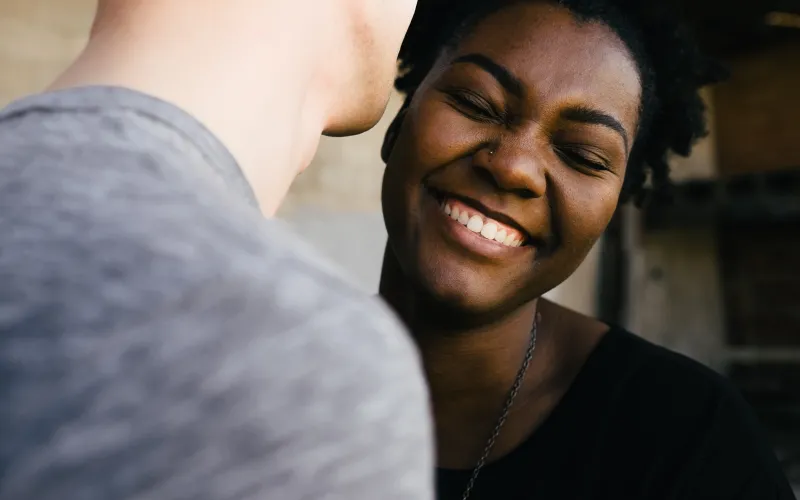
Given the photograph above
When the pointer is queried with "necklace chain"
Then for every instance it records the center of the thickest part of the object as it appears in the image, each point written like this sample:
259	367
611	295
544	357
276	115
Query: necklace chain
512	395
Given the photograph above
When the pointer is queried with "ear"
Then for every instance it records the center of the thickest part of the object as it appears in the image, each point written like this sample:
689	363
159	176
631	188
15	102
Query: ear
392	133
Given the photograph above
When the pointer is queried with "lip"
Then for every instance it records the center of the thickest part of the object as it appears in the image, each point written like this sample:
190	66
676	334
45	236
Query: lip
480	207
466	239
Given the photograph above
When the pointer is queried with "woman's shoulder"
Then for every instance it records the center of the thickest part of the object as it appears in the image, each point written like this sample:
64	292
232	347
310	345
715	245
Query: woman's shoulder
637	361
611	354
671	417
670	390
641	377
701	419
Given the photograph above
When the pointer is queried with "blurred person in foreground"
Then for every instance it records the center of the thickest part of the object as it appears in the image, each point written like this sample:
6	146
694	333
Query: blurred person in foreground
160	339
526	124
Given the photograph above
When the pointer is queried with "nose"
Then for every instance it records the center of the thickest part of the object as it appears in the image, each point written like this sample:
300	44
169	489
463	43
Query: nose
513	166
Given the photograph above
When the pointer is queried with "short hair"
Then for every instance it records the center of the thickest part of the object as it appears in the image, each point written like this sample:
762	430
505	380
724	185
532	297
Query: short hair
672	71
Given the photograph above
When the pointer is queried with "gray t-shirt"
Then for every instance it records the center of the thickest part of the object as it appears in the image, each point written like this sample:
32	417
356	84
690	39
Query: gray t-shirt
161	340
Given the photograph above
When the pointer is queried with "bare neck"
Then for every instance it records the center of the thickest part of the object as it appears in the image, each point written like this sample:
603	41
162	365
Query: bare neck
470	370
230	69
475	361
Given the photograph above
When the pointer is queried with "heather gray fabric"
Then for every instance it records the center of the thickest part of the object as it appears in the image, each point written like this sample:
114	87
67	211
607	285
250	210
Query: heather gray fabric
160	340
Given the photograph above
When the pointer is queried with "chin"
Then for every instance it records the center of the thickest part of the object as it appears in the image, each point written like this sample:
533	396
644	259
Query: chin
361	115
464	296
354	125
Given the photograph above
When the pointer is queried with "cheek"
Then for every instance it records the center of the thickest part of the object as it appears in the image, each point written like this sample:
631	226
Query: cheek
441	135
580	215
432	136
584	210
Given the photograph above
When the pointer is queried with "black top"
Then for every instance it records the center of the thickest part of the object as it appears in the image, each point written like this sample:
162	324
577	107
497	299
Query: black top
639	422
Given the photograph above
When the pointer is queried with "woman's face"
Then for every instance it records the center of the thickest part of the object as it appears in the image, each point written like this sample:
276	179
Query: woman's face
525	127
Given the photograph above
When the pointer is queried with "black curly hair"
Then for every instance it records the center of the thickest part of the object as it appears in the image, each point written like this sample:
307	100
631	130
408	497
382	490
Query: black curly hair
671	66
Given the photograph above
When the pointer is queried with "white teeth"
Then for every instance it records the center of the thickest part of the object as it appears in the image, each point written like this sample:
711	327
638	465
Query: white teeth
475	224
489	230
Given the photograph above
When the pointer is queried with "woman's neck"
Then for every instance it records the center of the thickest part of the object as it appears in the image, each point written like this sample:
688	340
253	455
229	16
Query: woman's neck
482	359
471	369
478	358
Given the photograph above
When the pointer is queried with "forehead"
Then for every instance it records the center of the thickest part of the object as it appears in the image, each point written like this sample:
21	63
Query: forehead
558	58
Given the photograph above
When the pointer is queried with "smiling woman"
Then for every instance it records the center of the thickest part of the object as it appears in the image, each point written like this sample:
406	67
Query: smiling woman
526	123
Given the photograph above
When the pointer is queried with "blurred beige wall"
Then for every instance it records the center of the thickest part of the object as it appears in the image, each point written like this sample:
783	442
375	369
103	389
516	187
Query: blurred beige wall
335	203
37	40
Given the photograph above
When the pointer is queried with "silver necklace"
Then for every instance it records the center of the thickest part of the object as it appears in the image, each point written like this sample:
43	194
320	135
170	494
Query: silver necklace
512	395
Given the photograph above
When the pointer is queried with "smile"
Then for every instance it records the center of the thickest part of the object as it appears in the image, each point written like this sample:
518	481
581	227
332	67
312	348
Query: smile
478	223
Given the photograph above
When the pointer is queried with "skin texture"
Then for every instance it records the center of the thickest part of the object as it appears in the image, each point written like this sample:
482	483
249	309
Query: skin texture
377	30
553	173
227	64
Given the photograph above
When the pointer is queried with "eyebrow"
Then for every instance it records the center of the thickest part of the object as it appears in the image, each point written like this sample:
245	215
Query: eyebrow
591	116
510	82
514	86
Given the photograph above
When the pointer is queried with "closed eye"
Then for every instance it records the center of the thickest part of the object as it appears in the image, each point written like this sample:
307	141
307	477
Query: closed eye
473	105
580	157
